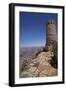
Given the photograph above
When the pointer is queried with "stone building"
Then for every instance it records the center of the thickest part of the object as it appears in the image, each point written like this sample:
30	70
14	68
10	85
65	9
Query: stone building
50	34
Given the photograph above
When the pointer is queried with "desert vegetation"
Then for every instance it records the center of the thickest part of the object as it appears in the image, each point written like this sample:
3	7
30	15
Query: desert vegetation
54	61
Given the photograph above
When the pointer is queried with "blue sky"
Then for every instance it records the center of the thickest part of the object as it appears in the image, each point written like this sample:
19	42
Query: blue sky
33	28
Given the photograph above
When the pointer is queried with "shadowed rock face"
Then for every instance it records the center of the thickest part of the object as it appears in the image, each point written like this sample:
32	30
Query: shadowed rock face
51	34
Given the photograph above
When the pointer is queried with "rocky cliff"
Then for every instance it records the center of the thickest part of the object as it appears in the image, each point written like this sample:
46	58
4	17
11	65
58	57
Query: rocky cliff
40	66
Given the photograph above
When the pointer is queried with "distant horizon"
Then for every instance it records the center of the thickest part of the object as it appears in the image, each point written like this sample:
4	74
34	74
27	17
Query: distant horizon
33	28
32	47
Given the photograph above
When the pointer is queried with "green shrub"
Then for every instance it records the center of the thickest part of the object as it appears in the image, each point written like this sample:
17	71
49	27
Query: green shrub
54	61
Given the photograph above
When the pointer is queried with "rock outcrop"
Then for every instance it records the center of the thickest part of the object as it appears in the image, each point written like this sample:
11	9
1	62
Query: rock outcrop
40	66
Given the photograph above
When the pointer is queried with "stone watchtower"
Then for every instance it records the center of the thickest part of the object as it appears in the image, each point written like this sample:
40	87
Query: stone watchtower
50	34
